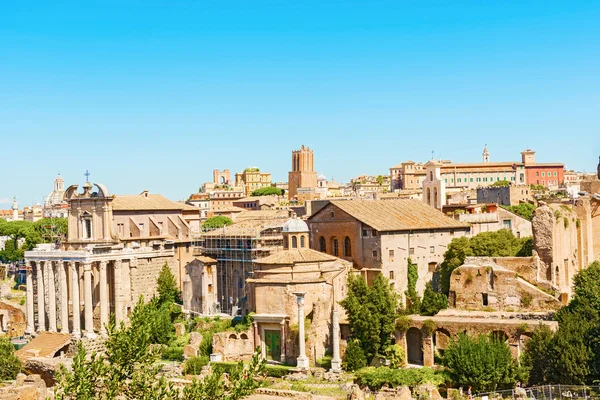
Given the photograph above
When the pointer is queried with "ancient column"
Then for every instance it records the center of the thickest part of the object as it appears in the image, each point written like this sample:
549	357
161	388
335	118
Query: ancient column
256	338
103	298
75	302
336	361
51	296
64	298
302	360
282	357
117	266
87	300
40	297
29	299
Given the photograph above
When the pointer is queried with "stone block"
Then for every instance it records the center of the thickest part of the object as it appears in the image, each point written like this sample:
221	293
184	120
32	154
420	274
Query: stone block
195	339
190	351
179	329
216	357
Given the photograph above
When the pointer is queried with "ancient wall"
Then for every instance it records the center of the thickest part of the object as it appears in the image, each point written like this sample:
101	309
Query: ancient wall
144	275
526	267
234	346
12	320
474	287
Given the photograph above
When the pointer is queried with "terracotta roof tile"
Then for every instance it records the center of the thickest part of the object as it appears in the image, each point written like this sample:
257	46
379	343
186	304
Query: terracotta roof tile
396	215
142	202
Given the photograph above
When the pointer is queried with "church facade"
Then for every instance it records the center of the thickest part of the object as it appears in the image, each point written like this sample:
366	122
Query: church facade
114	250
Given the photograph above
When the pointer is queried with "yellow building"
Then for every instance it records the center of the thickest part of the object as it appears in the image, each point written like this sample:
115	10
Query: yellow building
252	179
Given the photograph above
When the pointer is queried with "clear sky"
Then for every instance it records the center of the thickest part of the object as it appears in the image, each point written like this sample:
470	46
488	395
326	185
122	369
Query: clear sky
155	94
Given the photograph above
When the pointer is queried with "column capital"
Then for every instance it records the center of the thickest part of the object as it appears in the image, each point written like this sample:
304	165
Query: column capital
87	266
118	263
103	264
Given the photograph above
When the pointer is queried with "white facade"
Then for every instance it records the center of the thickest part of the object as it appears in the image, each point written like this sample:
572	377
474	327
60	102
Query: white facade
434	188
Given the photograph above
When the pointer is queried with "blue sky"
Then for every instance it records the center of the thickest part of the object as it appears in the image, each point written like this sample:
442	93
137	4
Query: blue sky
153	95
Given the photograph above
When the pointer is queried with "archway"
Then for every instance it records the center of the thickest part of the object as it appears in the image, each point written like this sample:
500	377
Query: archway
499	335
441	340
414	346
322	245
347	247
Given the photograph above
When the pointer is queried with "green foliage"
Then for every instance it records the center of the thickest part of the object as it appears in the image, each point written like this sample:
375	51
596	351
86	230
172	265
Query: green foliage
33	233
372	313
403	323
267	191
429	327
501	243
244	324
172	353
49	228
193	365
354	358
432	301
240	383
396	355
502	183
85	378
278	371
482	362
376	378
217	221
380	180
325	362
537	357
10	365
411	289
167	288
524	210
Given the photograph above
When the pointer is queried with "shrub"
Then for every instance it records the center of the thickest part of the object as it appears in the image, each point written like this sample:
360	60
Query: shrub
429	327
395	353
215	222
324	362
355	357
10	365
224	366
433	301
193	365
173	353
22	301
266	191
403	323
526	299
376	378
277	371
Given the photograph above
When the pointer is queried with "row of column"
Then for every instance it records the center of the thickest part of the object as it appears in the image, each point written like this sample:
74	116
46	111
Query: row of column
45	271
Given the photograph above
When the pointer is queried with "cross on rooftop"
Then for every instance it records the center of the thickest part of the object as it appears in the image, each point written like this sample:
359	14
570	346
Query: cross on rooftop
87	175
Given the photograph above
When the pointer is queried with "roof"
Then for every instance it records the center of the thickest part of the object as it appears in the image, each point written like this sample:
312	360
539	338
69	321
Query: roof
144	202
45	344
251	227
292	256
395	215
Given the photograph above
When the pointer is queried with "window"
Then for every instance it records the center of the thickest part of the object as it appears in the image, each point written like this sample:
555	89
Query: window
506	224
121	229
451	233
187	247
432	266
332	214
87	228
484	299
411	251
322	245
471	179
391	252
364	233
374	253
391	275
141	225
543	174
554	173
374	233
347	247
294	242
432	249
335	247
286	242
537	173
302	244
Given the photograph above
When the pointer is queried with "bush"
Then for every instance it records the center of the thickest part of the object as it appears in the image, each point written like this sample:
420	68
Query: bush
277	371
429	327
324	362
355	357
215	222
224	366
403	323
193	365
395	353
10	365
266	191
432	301
173	353
376	378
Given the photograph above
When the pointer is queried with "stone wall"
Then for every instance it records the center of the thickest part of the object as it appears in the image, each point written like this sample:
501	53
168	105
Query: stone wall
12	320
144	275
234	346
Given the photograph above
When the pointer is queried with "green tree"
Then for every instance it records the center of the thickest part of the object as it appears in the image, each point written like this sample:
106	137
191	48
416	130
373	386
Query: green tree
168	291
502	183
411	288
49	228
84	380
354	358
380	180
372	313
501	243
266	191
217	221
537	357
10	365
432	301
483	362
524	210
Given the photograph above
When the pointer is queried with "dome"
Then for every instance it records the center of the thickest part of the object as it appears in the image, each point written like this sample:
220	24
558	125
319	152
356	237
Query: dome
295	225
322	177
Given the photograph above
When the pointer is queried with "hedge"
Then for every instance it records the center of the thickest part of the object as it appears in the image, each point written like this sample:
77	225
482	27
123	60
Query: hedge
376	378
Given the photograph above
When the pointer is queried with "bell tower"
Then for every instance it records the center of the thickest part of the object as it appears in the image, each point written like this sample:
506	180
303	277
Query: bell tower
303	174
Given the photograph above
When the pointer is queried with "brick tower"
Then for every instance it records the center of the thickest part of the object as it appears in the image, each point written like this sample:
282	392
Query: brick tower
302	179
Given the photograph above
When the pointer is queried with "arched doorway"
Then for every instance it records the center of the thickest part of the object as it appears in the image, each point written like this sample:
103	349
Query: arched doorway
414	344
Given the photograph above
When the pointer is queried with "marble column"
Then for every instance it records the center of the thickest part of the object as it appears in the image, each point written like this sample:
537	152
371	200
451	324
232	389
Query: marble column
302	360
336	361
51	296
118	274
256	337
75	302
40	297
64	297
282	357
29	299
103	298
87	300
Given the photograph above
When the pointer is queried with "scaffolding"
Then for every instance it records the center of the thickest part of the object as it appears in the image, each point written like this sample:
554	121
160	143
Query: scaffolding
236	248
